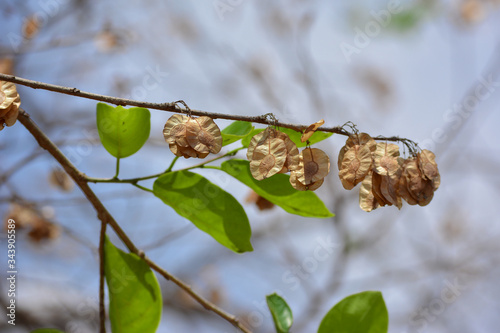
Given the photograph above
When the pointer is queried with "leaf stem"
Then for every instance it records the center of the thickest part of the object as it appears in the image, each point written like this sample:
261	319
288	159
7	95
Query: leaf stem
211	167
172	164
142	187
117	168
138	179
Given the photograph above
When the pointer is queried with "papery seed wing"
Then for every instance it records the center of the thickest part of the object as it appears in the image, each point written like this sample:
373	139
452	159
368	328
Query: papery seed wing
385	160
356	164
203	135
174	131
268	159
310	130
367	201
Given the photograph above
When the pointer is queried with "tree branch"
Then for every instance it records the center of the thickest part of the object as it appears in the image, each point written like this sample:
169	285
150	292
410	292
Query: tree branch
171	107
106	218
102	310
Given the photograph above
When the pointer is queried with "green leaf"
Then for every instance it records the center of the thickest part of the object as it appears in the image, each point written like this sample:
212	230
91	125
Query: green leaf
122	131
278	190
282	314
135	302
47	330
209	207
364	312
295	136
236	131
246	140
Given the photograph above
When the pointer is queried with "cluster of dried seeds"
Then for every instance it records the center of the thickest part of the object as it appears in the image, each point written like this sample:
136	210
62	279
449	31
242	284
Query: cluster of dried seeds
192	137
314	165
9	104
271	152
385	177
38	222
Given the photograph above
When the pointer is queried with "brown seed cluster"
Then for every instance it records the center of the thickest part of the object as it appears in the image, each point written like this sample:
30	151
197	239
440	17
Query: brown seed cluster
38	223
271	152
192	137
314	165
385	177
9	104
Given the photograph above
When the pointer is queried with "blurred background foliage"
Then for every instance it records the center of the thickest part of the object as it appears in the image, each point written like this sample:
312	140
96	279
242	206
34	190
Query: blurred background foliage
418	76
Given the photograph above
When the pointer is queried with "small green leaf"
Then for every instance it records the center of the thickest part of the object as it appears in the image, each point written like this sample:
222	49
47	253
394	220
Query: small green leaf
135	302
236	131
282	314
209	207
122	131
47	330
246	140
364	312
278	190
295	136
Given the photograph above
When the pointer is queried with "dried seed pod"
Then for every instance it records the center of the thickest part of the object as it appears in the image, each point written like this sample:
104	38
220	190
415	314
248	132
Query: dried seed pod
60	179
259	139
403	184
341	156
7	66
313	166
310	130
367	200
29	218
376	190
420	188
260	202
428	167
361	139
292	153
43	230
31	26
268	159
385	159
262	138
203	135
301	187
389	186
9	104
175	130
356	162
186	152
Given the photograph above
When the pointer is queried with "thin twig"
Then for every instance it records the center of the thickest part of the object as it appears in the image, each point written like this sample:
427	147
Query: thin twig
138	179
102	310
171	107
106	218
205	303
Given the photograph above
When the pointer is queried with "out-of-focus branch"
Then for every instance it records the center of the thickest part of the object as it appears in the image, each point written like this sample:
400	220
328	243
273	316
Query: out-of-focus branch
106	218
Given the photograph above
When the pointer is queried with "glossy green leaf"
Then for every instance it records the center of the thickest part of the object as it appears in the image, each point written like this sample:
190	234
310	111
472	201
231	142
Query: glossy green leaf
209	207
122	131
364	312
236	131
295	136
281	312
135	301
278	190
47	330
246	140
